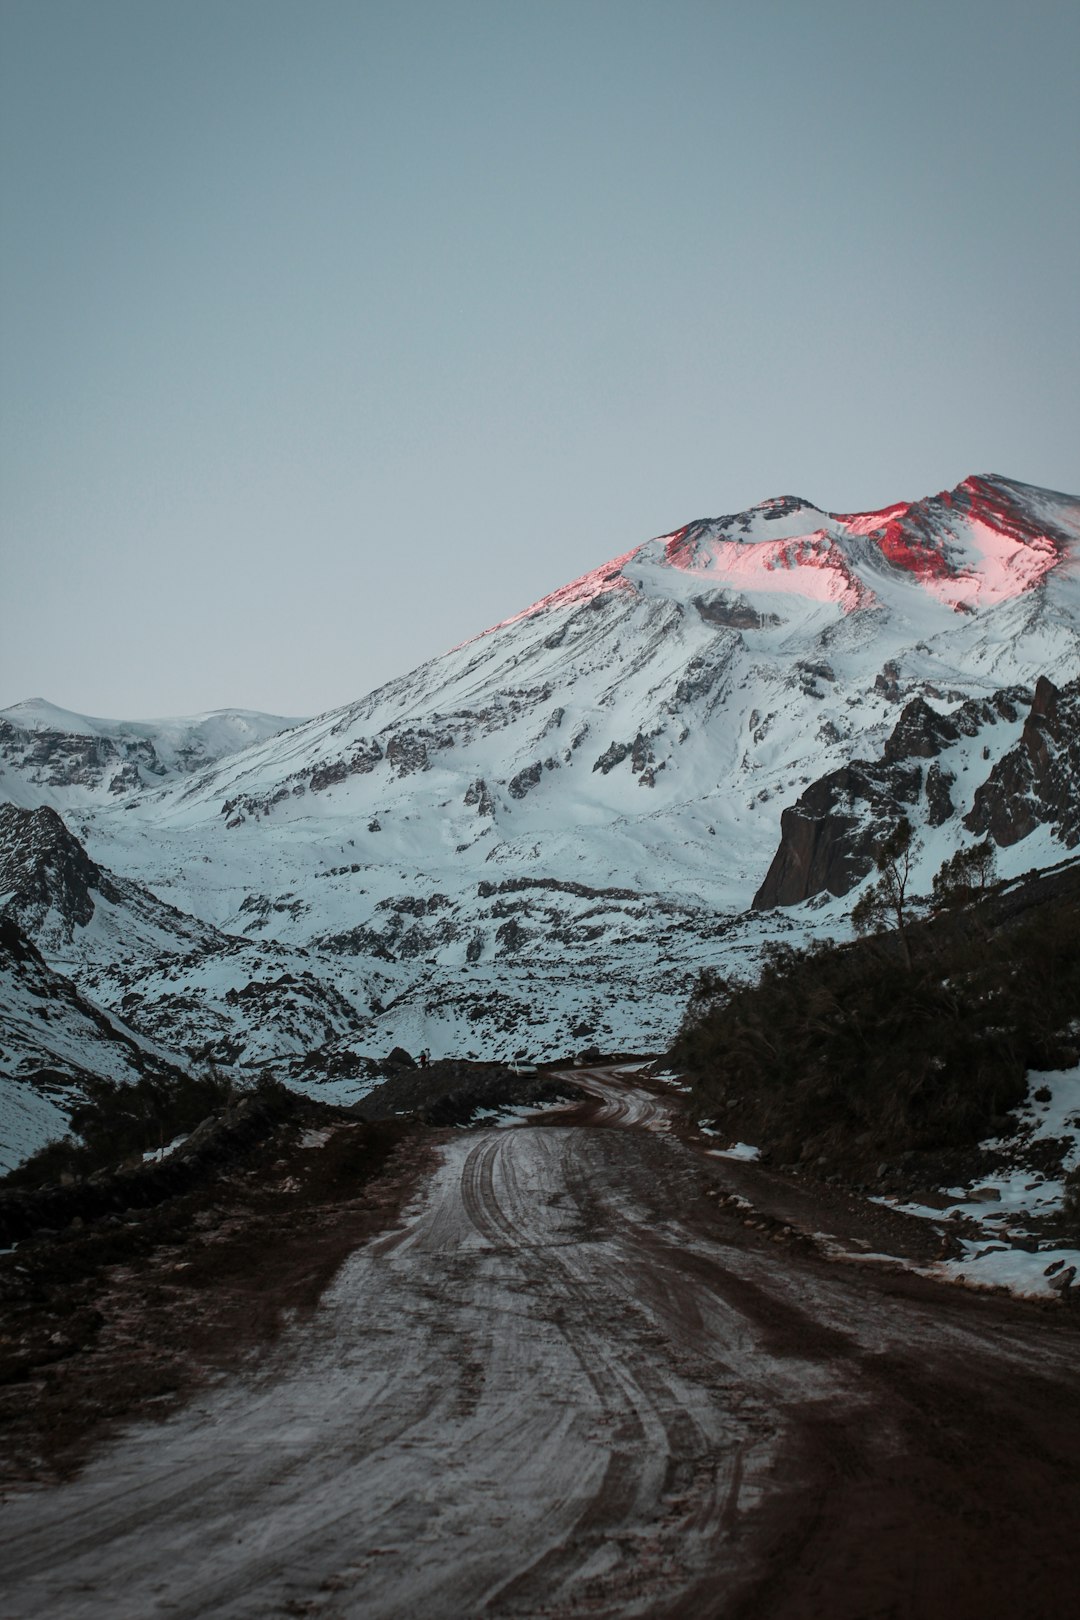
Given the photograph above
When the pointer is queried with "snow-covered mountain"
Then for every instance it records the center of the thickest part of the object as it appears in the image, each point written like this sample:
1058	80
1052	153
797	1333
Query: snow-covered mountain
540	837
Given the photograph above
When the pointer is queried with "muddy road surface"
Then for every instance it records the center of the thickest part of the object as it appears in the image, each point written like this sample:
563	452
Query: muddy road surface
573	1381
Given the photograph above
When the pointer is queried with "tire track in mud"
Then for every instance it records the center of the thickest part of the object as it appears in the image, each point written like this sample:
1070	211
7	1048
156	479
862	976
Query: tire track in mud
626	1415
659	1438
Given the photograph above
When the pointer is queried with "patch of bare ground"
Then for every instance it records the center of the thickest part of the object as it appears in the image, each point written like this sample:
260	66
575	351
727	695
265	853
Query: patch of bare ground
123	1318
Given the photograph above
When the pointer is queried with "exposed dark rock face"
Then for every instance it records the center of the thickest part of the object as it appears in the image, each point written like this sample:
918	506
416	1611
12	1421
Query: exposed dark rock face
520	784
399	1059
809	672
365	756
511	935
888	682
1037	783
404	753
407	753
612	756
639	752
733	612
406	933
52	890
584	891
414	905
920	733
705	678
938	795
105	1048
71	759
52	886
828	839
44	868
480	795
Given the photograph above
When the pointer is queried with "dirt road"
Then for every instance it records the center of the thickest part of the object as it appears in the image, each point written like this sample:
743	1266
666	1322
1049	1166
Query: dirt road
568	1383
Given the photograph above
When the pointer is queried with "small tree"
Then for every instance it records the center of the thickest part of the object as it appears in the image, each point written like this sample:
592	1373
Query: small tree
965	875
886	900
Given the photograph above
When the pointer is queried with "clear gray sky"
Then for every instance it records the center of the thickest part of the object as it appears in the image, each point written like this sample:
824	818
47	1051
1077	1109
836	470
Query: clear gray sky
335	330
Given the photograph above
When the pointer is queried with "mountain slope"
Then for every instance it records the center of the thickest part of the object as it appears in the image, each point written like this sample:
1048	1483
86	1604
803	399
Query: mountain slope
214	996
52	1041
540	836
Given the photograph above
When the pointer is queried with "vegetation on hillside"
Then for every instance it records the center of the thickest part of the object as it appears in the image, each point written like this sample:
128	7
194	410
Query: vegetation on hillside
907	1043
115	1122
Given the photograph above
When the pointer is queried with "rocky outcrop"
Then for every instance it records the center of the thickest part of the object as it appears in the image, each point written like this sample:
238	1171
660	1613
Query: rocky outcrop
45	870
730	612
920	733
829	836
51	888
54	1038
478	793
639	753
511	935
50	751
71	759
1037	783
520	784
939	803
613	755
365	756
828	839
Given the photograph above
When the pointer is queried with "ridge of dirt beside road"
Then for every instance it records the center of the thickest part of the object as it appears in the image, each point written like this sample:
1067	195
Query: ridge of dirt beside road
818	1213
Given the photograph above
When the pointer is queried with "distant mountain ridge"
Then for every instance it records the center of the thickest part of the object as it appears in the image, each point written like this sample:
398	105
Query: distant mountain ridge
50	755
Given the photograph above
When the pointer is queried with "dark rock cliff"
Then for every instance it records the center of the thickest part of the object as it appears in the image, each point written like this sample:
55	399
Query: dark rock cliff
1037	783
828	838
43	867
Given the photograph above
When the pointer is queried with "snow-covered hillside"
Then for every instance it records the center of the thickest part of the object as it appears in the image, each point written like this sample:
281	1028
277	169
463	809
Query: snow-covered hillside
537	839
52	1040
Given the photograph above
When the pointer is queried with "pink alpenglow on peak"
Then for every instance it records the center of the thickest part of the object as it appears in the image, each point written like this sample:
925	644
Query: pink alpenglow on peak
982	543
809	564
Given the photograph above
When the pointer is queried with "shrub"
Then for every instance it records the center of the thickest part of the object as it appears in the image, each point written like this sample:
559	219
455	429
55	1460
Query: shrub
116	1121
842	1050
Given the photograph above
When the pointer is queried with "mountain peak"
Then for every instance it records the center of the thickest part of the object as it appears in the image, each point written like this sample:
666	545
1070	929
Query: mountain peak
985	541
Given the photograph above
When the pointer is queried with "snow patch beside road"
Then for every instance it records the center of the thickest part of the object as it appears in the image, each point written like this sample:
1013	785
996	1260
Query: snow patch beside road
1010	1207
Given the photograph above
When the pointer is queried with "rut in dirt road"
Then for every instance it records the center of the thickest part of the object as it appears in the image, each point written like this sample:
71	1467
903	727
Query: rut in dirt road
567	1386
